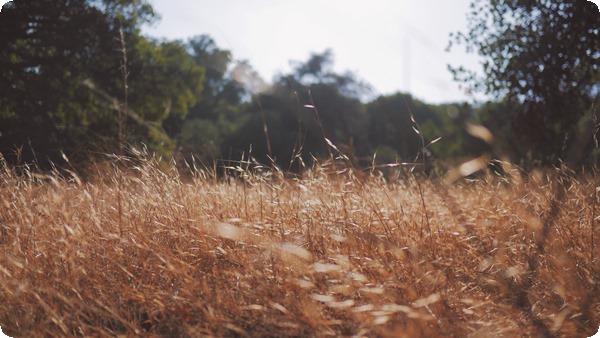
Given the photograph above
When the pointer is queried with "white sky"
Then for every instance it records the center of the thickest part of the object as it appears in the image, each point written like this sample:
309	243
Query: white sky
395	45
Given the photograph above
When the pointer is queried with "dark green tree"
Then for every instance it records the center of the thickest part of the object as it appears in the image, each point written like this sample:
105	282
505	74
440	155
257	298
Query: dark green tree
215	117
290	119
391	127
216	61
46	47
321	103
542	57
457	144
164	83
62	84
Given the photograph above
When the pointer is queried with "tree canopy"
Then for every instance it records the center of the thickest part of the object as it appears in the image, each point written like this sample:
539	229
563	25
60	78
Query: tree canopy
61	82
544	58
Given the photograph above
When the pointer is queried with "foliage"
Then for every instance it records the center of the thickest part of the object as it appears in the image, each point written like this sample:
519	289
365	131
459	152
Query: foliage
47	46
61	85
300	110
219	113
71	78
390	124
543	58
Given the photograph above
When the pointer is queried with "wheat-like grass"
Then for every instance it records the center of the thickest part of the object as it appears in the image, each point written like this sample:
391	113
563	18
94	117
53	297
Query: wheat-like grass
143	251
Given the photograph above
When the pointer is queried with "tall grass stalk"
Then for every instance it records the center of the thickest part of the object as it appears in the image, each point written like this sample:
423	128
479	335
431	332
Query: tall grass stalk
124	77
260	255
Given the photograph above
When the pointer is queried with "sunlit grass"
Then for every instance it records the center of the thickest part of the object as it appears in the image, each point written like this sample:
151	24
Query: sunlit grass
140	250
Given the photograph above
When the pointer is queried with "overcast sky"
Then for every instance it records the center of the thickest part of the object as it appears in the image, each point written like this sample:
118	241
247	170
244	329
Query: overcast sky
395	45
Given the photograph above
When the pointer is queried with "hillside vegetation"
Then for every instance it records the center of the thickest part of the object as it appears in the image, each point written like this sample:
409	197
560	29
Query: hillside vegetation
141	250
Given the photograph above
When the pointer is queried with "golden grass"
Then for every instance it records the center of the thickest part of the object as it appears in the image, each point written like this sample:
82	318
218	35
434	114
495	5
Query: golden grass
146	252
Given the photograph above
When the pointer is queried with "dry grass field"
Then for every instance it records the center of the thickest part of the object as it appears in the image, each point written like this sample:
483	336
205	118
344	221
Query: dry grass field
144	251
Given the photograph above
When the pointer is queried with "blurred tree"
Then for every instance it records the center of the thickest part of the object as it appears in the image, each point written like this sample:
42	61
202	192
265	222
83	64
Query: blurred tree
390	124
496	116
313	103
43	52
216	61
61	85
164	83
543	58
457	144
318	69
219	113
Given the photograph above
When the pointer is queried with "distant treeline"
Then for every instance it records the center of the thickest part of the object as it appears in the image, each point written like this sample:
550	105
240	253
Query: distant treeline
78	78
